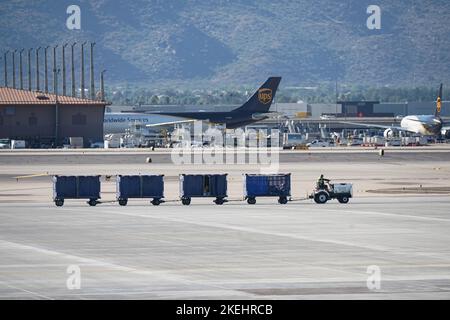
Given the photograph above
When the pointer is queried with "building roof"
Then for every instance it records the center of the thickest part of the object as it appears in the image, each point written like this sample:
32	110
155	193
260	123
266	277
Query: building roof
20	97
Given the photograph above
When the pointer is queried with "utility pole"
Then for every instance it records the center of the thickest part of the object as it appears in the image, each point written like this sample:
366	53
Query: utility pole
82	70
21	69
37	68
46	69
92	71
64	69
73	70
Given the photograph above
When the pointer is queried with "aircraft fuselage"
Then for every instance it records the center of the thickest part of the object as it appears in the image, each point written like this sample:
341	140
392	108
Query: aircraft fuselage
427	125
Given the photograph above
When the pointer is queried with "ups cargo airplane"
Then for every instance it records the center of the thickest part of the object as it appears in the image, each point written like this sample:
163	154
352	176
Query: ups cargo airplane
255	109
426	125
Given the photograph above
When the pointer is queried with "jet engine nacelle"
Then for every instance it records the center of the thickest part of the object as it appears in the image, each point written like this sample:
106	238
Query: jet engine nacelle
259	116
445	133
267	115
388	133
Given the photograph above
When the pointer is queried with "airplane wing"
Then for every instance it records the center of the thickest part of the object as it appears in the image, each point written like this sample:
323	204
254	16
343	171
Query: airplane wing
161	124
376	126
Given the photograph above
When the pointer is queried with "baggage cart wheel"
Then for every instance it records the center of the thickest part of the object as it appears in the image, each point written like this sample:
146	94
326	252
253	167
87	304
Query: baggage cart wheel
219	201
156	202
92	202
251	200
186	201
123	202
282	200
320	197
59	202
343	199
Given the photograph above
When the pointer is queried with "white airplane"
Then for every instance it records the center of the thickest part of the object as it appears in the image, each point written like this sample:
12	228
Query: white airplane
426	125
117	122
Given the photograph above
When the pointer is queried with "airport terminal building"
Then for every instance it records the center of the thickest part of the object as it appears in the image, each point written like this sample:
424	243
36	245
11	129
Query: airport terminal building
45	120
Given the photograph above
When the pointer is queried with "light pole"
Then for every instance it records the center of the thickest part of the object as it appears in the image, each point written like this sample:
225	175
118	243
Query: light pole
55	82
37	68
56	72
102	85
46	69
92	71
29	68
73	70
21	69
5	57
14	68
82	70
64	69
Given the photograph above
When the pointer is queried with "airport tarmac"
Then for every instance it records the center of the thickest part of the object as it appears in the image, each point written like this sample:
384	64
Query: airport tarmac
300	250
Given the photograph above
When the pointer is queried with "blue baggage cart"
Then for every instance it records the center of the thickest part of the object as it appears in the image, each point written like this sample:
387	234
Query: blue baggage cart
272	185
140	186
76	187
203	185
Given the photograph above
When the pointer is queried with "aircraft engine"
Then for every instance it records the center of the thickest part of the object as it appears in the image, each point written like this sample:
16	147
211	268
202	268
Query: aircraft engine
388	133
445	133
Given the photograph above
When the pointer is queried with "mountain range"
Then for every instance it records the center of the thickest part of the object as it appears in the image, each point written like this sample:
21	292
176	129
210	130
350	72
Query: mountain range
231	42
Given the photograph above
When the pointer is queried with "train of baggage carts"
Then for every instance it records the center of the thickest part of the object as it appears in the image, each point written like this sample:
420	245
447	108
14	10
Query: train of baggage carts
193	186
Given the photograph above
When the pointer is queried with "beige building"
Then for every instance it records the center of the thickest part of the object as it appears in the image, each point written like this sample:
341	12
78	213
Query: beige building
44	118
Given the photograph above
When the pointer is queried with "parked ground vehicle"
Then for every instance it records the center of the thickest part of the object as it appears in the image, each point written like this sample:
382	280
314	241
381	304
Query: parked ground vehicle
327	116
320	144
98	145
5	143
328	191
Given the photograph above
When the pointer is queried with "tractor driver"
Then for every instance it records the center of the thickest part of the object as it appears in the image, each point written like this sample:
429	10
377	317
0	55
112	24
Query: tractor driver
321	183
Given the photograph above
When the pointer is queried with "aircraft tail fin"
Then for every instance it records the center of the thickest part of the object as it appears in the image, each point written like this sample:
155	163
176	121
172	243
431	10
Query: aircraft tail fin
262	99
439	102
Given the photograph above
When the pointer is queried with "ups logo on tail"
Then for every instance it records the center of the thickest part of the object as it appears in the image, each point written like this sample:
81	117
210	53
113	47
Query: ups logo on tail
265	95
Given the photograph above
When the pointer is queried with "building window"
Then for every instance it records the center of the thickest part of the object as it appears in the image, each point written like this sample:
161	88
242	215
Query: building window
79	119
32	120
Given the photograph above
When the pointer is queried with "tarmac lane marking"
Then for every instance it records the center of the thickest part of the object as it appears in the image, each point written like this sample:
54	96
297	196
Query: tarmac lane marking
26	291
396	215
248	229
273	233
389	214
94	262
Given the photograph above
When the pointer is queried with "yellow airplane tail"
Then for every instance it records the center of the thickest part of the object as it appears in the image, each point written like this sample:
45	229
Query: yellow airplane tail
439	102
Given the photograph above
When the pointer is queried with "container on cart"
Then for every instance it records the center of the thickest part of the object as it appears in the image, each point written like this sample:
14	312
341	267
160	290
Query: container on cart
76	187
140	186
272	185
203	185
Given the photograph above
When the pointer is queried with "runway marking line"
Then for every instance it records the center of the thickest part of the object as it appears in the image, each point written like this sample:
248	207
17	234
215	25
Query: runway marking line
94	262
26	291
253	230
